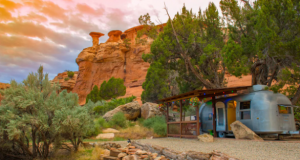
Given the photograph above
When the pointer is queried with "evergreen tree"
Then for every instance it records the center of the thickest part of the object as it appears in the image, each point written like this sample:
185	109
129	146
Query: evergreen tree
191	45
94	95
264	41
112	89
156	85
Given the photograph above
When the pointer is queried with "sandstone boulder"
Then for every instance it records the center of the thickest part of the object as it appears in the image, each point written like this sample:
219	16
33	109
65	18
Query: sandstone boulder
241	131
105	136
131	111
149	110
110	130
206	138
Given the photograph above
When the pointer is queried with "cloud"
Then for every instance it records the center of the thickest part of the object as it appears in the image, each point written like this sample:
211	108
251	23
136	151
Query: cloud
85	9
53	32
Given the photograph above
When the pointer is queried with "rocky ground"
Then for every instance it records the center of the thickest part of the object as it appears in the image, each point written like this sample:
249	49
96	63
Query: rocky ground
242	149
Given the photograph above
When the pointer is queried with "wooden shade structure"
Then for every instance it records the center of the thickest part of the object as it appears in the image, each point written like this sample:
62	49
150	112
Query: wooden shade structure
200	94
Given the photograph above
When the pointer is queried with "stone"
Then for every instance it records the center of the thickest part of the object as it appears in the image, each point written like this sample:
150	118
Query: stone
241	131
131	147
106	152
191	155
170	153
69	84
105	136
131	111
130	157
121	155
141	152
110	130
149	110
206	138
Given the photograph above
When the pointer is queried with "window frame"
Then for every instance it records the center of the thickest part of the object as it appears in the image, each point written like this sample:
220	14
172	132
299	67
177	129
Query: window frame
244	110
288	107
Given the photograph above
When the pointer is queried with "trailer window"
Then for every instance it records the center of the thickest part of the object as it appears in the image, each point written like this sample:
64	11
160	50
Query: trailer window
245	112
284	110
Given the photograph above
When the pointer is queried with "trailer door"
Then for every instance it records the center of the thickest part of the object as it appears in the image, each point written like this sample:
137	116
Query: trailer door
221	121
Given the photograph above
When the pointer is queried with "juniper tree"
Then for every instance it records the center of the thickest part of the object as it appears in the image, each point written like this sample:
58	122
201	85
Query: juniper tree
191	45
264	41
113	88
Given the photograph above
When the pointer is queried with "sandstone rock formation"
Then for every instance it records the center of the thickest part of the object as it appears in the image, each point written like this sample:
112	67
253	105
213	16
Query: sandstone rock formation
110	130
241	131
131	111
105	136
65	81
149	110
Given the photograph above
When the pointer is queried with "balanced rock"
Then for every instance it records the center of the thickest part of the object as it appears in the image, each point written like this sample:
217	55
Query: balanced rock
241	131
131	111
149	110
206	138
110	130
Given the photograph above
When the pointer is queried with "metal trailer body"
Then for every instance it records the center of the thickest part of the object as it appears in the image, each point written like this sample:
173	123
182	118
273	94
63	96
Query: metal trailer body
263	116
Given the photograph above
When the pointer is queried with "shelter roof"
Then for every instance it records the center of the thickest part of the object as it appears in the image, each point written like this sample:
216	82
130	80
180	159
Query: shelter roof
205	93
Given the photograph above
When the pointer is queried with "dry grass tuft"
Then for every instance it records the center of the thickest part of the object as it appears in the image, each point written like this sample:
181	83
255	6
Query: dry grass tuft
136	132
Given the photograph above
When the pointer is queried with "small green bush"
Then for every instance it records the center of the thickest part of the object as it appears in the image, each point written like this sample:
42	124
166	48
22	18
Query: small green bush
160	129
118	120
67	78
158	123
70	74
140	120
130	124
102	123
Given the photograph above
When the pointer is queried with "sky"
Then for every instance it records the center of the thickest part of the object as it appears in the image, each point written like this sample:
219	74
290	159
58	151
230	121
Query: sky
52	33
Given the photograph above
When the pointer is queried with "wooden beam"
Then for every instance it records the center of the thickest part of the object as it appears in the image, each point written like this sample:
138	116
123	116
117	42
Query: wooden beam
197	119
180	118
167	118
182	122
214	115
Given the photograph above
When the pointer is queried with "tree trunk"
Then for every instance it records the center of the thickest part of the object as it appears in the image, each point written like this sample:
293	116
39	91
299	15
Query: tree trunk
296	96
33	135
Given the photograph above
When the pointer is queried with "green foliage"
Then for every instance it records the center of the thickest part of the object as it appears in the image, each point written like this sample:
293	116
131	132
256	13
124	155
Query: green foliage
118	120
127	43
103	106
149	29
156	85
94	95
112	89
158	124
70	74
140	120
67	78
99	124
32	110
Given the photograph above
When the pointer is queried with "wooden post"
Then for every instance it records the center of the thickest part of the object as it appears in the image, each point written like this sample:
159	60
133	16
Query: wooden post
167	120
197	119
214	115
180	118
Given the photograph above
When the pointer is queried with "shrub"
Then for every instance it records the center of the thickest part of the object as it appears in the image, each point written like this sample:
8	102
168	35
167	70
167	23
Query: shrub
70	74
130	124
94	95
158	123
112	89
118	120
102	123
67	78
140	120
160	129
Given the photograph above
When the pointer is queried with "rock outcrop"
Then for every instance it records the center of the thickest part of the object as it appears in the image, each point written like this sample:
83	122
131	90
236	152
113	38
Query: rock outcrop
241	131
149	110
113	58
66	82
131	111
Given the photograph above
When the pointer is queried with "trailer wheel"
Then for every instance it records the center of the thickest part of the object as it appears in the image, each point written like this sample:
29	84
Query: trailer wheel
280	137
221	134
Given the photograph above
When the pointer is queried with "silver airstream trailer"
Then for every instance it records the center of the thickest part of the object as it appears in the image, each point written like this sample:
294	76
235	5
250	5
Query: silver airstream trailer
261	110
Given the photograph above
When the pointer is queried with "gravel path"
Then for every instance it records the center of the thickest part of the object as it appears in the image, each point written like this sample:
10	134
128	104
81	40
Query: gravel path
242	149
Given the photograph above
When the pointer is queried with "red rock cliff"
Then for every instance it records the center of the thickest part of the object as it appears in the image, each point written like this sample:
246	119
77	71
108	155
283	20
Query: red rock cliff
113	59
